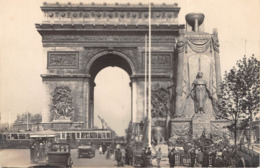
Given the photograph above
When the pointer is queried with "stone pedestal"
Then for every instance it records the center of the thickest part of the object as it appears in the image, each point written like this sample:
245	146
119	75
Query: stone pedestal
200	124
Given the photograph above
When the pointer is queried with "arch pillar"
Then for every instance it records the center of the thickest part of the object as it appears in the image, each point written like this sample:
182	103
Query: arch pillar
133	85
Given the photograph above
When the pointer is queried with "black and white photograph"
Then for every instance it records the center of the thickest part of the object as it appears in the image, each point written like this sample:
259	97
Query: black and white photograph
129	83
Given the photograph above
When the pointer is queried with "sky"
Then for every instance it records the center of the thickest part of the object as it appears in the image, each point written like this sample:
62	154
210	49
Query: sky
21	52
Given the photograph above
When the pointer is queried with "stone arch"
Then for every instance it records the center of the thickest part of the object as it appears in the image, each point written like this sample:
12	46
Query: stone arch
113	52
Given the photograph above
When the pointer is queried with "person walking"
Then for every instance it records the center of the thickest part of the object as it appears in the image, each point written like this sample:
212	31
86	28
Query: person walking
219	161
199	157
205	161
119	157
158	157
192	157
130	156
171	157
100	149
123	152
149	157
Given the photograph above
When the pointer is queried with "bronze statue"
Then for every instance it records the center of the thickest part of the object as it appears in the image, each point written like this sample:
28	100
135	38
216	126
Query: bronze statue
199	93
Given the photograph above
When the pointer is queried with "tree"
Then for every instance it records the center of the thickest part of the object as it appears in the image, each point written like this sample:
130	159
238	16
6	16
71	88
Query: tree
249	75
239	92
128	132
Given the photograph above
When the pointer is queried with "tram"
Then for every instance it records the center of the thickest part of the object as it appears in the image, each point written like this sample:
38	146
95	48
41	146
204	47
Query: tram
75	137
15	140
94	137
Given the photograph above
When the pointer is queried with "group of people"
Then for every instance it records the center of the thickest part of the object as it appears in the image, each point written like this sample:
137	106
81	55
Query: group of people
146	157
124	155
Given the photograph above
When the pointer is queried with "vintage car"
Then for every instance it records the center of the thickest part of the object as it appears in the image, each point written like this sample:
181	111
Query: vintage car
86	151
59	155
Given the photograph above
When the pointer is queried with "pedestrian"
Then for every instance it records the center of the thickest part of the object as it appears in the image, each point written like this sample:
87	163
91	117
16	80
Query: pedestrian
192	157
127	155
213	156
218	160
143	158
108	152
123	155
130	156
226	158
199	157
158	157
205	161
181	153
149	157
100	149
171	157
119	157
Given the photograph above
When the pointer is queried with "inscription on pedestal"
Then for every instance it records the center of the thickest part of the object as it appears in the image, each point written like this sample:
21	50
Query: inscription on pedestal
160	60
200	124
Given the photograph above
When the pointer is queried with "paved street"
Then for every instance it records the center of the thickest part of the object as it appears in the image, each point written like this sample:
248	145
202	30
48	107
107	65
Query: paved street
21	158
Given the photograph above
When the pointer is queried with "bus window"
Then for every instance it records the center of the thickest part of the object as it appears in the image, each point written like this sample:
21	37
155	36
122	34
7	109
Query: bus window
27	136
78	135
14	136
8	136
21	136
108	135
84	135
99	135
93	135
103	135
63	135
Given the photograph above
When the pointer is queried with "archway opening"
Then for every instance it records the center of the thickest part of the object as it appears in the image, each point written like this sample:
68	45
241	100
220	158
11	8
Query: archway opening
110	92
112	99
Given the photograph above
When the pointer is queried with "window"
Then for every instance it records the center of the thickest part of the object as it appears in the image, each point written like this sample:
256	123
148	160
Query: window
85	135
21	136
63	136
108	135
8	136
27	136
93	135
78	135
14	136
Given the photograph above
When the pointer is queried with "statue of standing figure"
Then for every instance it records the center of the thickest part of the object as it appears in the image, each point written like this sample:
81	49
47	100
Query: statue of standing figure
199	93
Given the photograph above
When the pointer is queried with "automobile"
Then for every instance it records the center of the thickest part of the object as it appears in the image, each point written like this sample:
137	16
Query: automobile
86	151
59	155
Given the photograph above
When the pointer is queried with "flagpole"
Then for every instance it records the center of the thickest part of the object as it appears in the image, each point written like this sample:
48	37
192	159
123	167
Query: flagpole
27	120
149	81
145	78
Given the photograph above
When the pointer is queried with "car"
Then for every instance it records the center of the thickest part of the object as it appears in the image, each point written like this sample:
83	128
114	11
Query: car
59	155
86	151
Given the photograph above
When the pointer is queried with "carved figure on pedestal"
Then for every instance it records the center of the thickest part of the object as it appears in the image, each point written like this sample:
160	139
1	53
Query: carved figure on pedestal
199	93
62	103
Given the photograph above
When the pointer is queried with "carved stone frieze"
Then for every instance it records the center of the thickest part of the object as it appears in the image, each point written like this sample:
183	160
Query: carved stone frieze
160	102
105	37
62	108
63	59
125	13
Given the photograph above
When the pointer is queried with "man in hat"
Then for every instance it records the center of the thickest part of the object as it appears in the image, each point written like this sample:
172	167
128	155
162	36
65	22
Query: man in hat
149	157
171	157
143	157
119	157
